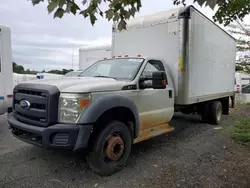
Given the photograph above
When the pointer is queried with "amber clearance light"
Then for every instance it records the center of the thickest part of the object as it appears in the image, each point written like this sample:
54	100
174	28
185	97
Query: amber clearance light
84	103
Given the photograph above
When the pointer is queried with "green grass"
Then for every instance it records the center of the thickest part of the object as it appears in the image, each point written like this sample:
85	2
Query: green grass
241	131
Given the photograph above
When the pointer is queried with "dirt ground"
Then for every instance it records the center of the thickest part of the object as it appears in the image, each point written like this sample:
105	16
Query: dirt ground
194	155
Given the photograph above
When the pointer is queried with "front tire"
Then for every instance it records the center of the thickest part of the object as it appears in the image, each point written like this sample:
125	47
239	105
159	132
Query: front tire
111	149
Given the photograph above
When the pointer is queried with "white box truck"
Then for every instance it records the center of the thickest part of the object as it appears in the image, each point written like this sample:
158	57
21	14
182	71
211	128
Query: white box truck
90	54
185	63
6	70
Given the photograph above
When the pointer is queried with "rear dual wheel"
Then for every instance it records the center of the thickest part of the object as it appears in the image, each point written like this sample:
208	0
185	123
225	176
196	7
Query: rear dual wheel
111	149
212	112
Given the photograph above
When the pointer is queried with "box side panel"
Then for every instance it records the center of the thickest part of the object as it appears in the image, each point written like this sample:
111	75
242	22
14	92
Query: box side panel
87	58
211	60
159	41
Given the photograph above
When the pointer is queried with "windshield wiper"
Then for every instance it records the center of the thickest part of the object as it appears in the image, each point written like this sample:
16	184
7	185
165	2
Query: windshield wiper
104	77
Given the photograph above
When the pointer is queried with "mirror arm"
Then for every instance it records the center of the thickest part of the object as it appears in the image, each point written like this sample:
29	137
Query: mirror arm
145	86
145	78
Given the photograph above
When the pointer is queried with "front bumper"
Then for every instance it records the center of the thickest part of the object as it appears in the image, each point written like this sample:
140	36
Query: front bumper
61	136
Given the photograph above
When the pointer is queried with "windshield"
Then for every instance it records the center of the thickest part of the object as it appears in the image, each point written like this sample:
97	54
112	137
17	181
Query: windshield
120	68
72	74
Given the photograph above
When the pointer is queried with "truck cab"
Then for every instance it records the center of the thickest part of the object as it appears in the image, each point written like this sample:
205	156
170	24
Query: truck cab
152	96
117	101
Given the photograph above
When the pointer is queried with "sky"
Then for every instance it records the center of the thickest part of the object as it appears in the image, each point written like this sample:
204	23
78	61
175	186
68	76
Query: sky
40	42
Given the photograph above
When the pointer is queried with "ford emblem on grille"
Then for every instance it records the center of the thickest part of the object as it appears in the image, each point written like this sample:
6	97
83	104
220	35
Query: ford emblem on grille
25	104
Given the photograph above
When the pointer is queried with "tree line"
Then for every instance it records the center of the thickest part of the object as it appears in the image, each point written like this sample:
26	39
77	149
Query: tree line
21	70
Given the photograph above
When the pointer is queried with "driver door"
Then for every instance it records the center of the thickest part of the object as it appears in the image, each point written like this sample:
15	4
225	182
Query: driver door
156	106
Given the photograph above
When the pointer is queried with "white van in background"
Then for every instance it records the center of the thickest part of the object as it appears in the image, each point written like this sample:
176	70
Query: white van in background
241	80
6	70
19	78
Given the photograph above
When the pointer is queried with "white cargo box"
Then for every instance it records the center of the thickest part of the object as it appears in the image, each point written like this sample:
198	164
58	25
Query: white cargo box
200	55
90	54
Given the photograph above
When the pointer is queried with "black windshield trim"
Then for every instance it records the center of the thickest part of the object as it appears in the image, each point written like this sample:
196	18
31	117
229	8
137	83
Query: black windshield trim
139	68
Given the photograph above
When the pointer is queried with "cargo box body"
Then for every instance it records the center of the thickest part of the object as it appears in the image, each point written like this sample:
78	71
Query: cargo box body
200	55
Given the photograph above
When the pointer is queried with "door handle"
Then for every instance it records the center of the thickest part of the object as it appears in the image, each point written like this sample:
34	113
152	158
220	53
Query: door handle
170	93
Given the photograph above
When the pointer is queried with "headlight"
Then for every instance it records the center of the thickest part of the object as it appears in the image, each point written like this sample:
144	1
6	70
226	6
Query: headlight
71	106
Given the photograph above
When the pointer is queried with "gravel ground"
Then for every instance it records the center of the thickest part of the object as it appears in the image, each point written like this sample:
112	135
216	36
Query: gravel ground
194	155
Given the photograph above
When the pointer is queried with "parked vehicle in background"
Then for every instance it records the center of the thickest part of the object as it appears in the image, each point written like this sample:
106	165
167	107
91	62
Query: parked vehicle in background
241	79
20	78
164	63
90	54
246	89
42	75
6	72
73	73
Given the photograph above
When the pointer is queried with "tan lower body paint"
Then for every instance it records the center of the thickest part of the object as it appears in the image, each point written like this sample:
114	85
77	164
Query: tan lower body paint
148	133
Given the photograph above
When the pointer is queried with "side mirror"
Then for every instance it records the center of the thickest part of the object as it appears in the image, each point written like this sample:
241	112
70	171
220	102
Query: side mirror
159	80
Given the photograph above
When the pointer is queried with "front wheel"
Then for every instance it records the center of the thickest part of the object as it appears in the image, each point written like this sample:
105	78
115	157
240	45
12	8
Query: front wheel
111	149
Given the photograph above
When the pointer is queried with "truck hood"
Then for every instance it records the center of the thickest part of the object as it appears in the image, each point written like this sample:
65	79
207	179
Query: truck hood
83	84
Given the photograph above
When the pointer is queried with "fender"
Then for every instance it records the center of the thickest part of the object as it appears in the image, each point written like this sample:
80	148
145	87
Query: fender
104	103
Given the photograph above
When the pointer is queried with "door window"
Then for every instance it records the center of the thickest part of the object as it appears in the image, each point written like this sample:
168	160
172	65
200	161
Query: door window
152	66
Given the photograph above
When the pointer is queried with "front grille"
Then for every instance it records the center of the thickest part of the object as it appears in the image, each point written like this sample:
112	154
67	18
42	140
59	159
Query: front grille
43	102
38	105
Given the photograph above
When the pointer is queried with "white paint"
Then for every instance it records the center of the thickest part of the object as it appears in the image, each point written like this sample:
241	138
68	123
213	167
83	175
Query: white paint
210	60
149	41
90	54
6	72
19	78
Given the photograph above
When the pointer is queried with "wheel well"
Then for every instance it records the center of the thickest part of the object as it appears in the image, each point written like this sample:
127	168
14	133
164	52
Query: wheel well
225	105
122	114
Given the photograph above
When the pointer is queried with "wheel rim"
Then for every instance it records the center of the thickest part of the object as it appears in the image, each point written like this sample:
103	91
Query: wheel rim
219	113
113	148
